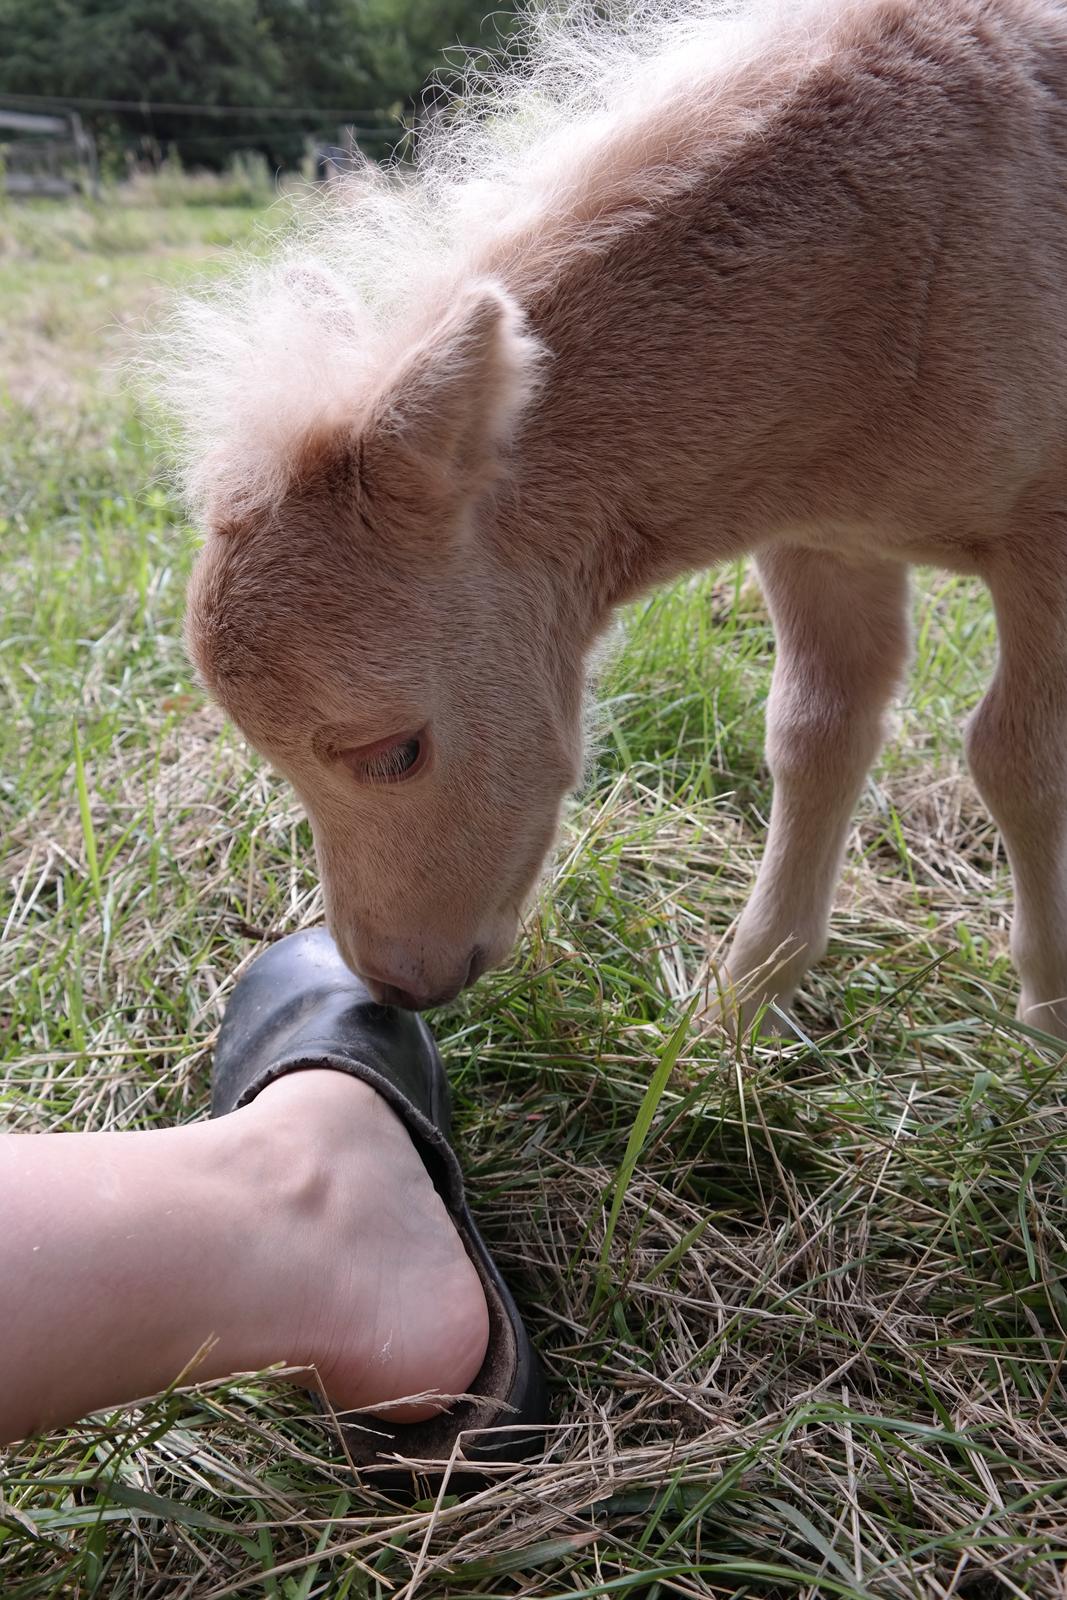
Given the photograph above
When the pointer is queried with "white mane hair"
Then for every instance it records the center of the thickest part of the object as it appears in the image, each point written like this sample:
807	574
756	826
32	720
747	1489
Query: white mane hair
580	111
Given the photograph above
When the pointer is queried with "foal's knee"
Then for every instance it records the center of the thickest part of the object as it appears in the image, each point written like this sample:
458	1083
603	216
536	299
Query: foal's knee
828	701
824	726
983	746
1007	757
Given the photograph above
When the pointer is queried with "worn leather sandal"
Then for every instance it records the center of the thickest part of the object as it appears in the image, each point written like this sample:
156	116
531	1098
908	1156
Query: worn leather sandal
299	1006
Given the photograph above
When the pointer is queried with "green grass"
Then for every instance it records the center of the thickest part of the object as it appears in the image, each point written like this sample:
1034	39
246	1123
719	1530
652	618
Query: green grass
803	1305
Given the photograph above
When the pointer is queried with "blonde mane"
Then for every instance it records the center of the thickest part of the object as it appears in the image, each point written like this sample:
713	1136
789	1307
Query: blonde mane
580	124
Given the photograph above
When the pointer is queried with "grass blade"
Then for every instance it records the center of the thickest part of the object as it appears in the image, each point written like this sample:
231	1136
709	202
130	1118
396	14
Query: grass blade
85	811
634	1145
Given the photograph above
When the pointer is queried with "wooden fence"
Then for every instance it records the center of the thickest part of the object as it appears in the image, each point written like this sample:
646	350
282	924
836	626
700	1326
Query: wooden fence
46	153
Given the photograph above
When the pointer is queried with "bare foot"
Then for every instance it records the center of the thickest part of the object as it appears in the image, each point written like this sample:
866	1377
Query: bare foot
370	1281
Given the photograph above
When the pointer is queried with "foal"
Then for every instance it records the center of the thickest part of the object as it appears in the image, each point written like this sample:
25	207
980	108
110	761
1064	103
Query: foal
788	282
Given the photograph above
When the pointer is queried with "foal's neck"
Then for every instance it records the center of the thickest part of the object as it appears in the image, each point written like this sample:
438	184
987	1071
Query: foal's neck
700	398
727	366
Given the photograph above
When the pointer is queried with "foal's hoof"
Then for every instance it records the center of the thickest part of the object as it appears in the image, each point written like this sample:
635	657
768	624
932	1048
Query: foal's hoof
745	1016
1050	1015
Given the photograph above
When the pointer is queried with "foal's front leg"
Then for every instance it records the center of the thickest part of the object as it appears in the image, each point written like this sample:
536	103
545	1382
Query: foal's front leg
842	645
1017	749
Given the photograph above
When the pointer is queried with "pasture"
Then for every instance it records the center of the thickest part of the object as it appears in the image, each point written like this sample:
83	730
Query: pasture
804	1304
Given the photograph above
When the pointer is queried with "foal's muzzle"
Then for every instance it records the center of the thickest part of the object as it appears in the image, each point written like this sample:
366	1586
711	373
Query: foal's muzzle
390	989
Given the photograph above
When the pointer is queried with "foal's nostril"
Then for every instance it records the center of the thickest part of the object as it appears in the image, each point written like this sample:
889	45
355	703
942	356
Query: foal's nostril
475	966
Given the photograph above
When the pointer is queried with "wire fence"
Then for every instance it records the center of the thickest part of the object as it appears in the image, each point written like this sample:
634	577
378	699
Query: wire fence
31	165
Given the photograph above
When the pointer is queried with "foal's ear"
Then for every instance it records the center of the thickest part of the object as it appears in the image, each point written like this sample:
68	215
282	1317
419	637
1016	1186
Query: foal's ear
449	411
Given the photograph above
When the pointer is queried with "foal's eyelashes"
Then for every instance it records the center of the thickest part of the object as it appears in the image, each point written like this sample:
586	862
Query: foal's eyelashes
397	759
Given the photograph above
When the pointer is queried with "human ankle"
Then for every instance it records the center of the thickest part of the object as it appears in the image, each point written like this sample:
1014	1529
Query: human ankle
365	1277
285	1187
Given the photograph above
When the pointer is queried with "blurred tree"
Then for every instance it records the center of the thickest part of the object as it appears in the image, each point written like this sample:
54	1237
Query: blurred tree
367	58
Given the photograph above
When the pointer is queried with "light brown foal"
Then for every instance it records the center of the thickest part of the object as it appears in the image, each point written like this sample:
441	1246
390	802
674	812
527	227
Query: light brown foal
788	282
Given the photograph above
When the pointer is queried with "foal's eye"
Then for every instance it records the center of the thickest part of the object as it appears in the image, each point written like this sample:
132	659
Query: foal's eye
389	762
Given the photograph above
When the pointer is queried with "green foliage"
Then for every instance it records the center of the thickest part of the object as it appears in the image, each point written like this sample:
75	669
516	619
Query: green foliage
406	43
366	59
246	180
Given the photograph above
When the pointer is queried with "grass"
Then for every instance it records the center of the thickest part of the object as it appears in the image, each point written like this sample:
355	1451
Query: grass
803	1305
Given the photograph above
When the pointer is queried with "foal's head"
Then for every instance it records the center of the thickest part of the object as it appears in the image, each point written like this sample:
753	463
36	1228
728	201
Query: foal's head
376	638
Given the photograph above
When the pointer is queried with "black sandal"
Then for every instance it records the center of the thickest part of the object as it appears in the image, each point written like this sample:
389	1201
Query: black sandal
298	1006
